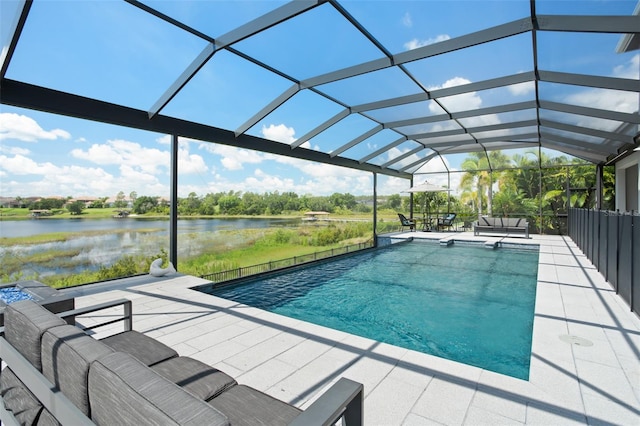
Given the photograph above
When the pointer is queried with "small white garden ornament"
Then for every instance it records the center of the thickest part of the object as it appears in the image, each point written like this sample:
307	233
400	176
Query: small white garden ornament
156	270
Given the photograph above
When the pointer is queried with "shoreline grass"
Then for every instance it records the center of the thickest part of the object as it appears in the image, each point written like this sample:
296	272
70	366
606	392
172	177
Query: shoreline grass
56	237
227	249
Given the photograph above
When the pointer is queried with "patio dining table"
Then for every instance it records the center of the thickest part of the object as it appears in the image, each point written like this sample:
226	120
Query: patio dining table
427	223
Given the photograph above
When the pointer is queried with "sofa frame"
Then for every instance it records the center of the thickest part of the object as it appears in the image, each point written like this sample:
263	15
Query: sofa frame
502	225
343	400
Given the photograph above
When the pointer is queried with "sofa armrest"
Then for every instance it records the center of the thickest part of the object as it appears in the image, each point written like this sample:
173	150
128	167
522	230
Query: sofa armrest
127	316
50	396
343	399
6	416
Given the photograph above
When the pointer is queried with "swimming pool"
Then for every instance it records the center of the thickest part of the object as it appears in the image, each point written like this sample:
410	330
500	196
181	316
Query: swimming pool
465	303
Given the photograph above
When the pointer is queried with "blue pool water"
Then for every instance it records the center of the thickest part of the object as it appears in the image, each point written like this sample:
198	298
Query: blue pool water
465	303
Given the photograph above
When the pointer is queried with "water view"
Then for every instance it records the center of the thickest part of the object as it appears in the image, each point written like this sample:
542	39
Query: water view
108	240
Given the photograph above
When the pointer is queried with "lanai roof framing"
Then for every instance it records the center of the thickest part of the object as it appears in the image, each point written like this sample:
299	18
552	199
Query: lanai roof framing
421	137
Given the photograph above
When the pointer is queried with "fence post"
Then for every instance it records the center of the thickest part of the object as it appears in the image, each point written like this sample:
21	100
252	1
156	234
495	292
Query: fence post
633	284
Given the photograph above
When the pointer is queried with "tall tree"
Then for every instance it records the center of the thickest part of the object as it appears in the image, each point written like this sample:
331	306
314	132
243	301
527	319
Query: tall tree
479	175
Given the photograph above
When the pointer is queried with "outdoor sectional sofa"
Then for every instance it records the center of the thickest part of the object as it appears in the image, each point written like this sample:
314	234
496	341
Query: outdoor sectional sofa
503	225
56	373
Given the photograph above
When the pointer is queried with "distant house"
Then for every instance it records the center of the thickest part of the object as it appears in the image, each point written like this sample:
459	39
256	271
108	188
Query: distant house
10	202
86	199
111	202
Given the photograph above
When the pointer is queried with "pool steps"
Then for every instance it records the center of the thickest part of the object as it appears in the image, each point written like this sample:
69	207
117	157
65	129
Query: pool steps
491	244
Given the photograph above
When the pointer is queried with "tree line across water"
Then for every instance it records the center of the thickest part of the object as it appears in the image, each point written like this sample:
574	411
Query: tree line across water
532	186
529	184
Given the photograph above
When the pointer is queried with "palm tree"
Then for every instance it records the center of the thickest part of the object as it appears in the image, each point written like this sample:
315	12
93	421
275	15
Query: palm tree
479	174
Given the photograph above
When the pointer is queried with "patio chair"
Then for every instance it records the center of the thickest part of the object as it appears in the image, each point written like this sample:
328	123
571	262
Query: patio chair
411	223
446	221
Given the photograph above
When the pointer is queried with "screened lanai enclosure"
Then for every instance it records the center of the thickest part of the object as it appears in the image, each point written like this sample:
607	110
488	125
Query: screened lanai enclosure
519	108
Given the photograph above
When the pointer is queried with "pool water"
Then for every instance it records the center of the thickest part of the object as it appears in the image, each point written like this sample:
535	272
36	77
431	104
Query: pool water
465	303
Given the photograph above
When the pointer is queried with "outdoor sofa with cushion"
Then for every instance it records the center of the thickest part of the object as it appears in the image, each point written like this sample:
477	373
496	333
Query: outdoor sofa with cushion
55	373
503	225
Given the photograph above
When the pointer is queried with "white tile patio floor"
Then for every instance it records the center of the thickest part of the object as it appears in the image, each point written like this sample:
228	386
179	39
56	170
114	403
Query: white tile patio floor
595	383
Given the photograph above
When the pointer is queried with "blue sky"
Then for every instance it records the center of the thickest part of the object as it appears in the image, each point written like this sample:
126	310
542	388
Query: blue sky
114	52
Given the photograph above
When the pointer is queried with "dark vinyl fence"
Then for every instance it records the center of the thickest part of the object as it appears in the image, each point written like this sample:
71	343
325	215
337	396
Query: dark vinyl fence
275	265
611	241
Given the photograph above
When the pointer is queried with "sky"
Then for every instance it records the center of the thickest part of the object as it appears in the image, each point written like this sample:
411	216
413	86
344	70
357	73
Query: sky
113	52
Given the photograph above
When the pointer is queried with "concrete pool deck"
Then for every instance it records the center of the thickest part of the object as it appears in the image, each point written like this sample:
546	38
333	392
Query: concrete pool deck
585	365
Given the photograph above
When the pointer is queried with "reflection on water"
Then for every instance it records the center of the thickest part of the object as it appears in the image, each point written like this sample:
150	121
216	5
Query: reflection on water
121	237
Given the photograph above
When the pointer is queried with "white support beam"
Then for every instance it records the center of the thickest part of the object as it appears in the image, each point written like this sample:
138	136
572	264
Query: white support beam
589	23
462	149
268	20
348	72
403	156
418	120
423	160
518	106
183	79
587	131
484	85
430	135
383	149
462	114
469	40
402	100
591	112
322	127
576	152
462	42
612	83
356	141
286	95
503	126
518	138
599	148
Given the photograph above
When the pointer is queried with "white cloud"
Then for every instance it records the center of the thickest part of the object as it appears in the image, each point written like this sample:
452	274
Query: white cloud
279	133
611	100
26	129
21	165
522	89
14	150
629	70
233	158
166	140
3	53
121	152
415	43
406	20
462	102
49	179
190	163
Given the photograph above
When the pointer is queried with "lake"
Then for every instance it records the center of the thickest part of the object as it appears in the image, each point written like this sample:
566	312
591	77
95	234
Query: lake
25	228
121	237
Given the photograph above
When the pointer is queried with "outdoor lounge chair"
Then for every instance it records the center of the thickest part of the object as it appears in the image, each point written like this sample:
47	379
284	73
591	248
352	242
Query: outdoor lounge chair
411	223
446	221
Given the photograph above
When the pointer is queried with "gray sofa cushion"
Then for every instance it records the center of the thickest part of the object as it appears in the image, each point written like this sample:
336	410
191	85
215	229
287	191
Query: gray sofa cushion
47	419
200	379
245	406
122	390
25	322
67	353
148	350
18	399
